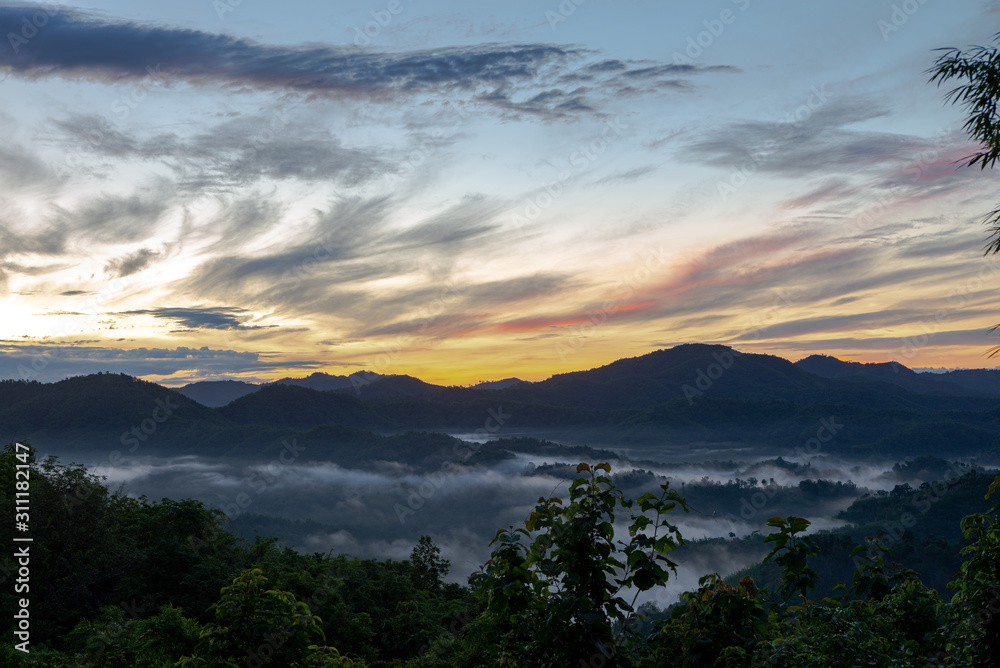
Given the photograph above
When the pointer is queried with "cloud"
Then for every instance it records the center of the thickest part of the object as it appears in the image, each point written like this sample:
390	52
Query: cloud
200	318
627	176
822	141
53	362
112	218
275	145
21	169
131	263
80	45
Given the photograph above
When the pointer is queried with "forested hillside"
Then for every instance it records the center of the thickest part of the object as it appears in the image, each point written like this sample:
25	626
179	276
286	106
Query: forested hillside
120	581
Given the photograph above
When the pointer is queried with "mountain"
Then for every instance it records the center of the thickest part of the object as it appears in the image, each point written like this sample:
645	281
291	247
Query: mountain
301	407
689	394
109	411
497	384
325	382
215	393
693	371
986	381
967	382
390	389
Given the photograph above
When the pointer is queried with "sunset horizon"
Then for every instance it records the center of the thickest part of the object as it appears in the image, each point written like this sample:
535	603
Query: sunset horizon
208	191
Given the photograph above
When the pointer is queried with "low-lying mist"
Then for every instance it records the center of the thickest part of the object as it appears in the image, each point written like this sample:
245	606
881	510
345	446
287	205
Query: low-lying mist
381	509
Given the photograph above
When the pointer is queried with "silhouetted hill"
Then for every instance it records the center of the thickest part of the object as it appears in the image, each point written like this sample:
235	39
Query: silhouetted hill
388	389
300	407
111	411
325	382
497	384
897	374
691	393
986	381
215	393
693	371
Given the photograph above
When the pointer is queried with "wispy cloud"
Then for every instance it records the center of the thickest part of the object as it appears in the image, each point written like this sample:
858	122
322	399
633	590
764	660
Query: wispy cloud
80	45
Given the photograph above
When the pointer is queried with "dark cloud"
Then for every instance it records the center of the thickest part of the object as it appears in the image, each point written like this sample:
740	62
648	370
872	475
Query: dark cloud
20	169
630	175
235	152
658	71
607	66
200	318
455	309
898	348
64	360
813	138
131	263
78	45
116	218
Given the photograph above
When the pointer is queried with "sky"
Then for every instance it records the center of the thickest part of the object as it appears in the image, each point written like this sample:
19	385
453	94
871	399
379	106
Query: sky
202	190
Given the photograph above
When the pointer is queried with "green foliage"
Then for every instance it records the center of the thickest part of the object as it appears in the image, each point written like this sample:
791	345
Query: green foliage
974	637
872	578
262	627
978	72
897	631
146	591
429	568
791	552
557	596
103	548
717	622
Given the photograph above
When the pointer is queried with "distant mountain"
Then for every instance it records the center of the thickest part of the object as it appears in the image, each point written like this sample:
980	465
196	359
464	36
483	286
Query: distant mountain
692	371
970	382
325	382
390	389
497	384
215	393
986	381
301	407
112	411
689	394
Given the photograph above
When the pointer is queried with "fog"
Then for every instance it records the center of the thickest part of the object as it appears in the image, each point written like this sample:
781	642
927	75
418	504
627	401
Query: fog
381	511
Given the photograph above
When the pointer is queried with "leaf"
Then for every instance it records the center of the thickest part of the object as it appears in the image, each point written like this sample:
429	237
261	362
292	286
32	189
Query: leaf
582	467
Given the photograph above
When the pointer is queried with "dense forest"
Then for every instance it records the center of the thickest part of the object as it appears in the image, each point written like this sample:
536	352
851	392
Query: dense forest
119	581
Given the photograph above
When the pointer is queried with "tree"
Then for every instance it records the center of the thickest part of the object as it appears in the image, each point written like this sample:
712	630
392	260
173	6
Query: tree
429	568
558	596
255	626
978	70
